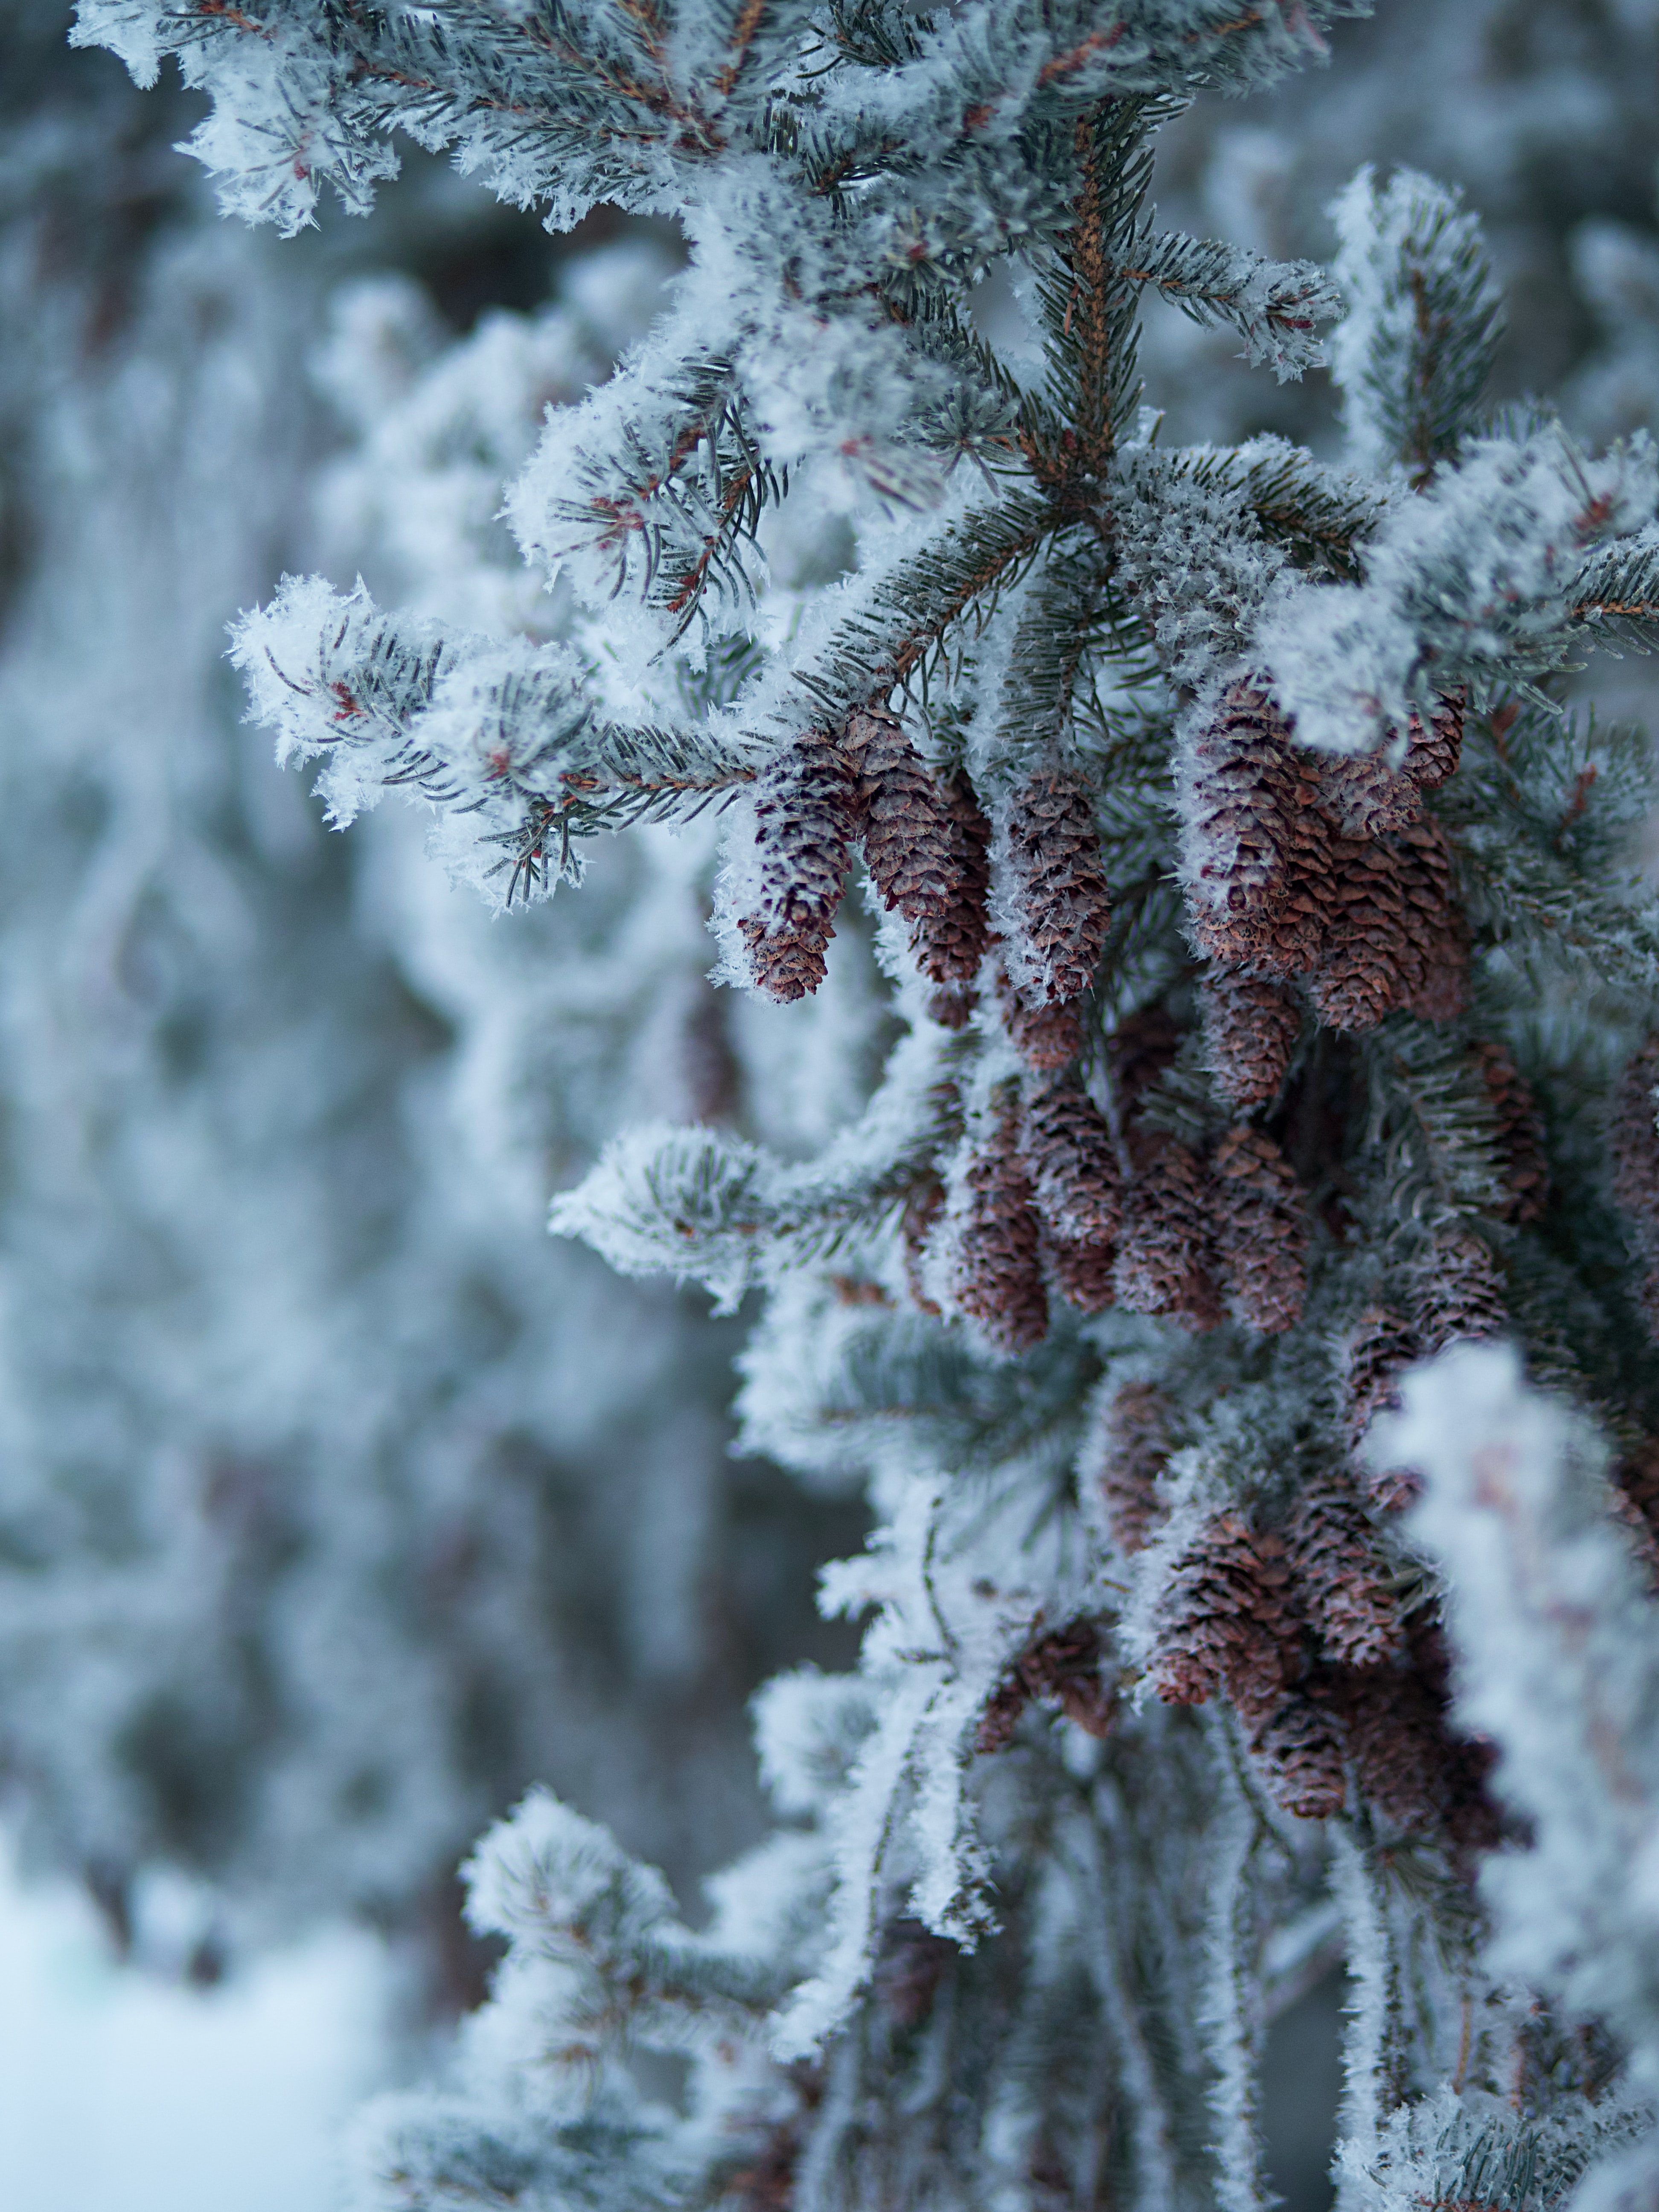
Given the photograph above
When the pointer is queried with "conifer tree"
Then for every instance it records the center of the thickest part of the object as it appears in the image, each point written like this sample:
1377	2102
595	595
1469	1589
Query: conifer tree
1273	985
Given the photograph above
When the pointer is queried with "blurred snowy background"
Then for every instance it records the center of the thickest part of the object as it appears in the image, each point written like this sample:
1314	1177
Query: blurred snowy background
337	1504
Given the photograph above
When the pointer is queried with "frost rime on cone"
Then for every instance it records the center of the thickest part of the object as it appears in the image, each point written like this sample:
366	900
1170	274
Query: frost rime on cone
949	944
1130	1451
1260	1232
906	822
1246	797
805	819
1058	899
998	1268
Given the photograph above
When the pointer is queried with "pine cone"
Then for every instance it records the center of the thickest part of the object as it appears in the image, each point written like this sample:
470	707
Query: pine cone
1067	1145
1225	1621
1432	755
1060	891
1381	1343
1260	1232
1298	1746
1394	935
1064	1667
1398	1744
949	944
804	826
1463	1292
1140	1049
1252	838
905	820
998	1269
1045	1038
1085	1275
1134	1450
1341	1583
1363	797
1637	1476
1519	1131
1165	1260
1434	924
1250	1029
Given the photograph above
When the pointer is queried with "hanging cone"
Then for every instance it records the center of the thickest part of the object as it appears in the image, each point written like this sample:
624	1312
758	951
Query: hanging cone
1133	1450
1362	796
1250	1029
1380	1345
1635	1149
1298	1751
1253	841
1085	1275
1225	1620
1341	1583
1397	1740
1260	1232
1519	1131
1394	937
1434	924
1062	1668
906	821
1061	902
949	945
1045	1038
1165	1260
1463	1293
1432	754
998	1269
804	825
1067	1146
1140	1049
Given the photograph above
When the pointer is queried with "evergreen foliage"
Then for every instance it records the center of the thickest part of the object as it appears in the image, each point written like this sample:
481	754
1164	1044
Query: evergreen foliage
1156	1665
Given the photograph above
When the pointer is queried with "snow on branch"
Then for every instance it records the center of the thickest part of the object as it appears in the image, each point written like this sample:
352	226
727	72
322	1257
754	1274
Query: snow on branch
1558	1644
505	739
1423	320
1274	305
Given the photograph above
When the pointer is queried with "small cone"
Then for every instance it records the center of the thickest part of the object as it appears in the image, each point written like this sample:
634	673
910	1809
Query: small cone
1250	1029
1060	895
1067	1145
949	943
1166	1259
1245	794
1434	923
1260	1232
1397	1742
1140	1049
922	1209
1394	934
1432	754
1045	1038
1341	1583
1635	1149
1519	1131
905	819
1298	1751
999	1269
1362	796
1085	1275
1062	1668
804	825
1381	1343
1463	1292
1133	1450
1225	1620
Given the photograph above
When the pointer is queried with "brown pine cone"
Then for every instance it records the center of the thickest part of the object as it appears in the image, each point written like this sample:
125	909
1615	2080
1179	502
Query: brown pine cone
1085	1275
1225	1620
1519	1131
1434	923
1045	1038
1060	895
1462	1294
1250	1029
1140	1049
1260	1232
804	826
1298	1747
949	944
1394	934
1363	797
1166	1259
909	1966
1381	1345
1432	755
1133	1450
906	821
1243	795
1067	1146
1063	1667
1637	1476
1340	1582
999	1269
1398	1743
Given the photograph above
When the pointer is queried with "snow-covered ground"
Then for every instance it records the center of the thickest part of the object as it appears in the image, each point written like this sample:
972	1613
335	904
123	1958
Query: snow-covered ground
122	2094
